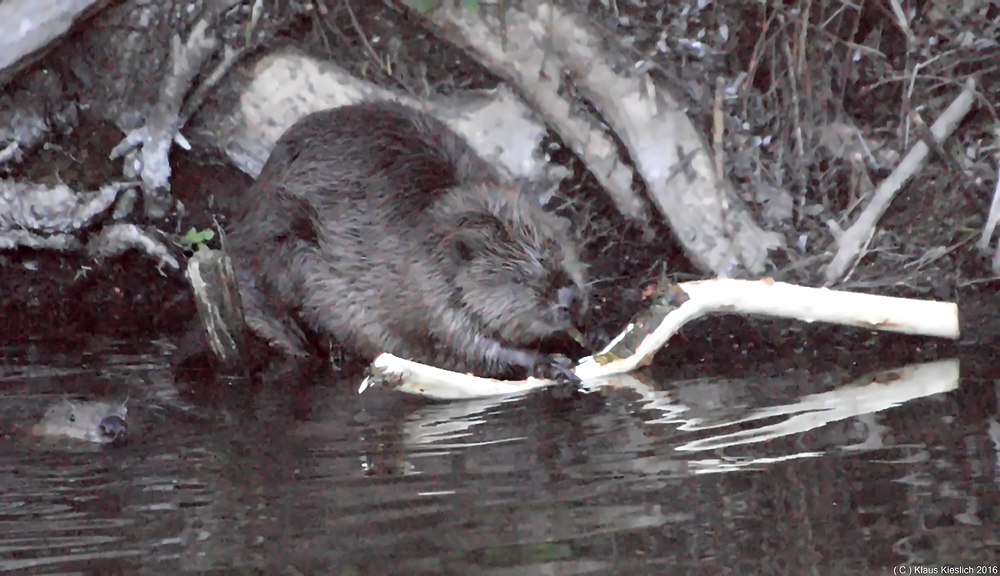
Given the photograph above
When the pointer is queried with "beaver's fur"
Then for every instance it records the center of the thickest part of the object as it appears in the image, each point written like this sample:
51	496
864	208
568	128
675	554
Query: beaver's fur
378	226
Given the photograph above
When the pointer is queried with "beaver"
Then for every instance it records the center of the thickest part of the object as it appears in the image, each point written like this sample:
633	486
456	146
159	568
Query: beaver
377	226
98	421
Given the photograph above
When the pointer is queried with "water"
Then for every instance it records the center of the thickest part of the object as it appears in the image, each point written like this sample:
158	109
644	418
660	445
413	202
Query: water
777	470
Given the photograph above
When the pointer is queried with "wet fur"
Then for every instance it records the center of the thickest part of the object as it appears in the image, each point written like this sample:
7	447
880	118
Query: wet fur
79	420
379	227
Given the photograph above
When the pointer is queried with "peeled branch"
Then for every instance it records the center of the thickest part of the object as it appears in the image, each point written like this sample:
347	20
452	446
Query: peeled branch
650	330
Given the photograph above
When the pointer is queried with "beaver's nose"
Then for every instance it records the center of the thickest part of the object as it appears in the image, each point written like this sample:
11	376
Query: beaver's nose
571	299
113	427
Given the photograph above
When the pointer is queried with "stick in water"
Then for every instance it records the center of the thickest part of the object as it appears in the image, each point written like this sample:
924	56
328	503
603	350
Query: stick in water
649	331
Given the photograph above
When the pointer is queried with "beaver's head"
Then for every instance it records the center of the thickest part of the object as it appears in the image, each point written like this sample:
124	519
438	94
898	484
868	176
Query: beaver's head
516	267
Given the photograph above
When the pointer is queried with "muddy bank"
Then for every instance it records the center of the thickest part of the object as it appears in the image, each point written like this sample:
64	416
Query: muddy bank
786	151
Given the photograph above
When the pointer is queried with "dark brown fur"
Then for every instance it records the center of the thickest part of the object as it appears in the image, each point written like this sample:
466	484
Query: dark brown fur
377	226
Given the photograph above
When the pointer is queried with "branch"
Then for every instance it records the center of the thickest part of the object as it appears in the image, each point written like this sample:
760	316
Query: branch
852	241
649	331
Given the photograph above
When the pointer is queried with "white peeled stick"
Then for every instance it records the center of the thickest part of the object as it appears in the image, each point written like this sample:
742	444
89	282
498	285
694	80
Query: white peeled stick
650	330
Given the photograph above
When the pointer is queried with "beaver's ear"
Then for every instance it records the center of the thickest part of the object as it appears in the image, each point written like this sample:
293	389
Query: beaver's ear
471	234
462	248
465	242
302	219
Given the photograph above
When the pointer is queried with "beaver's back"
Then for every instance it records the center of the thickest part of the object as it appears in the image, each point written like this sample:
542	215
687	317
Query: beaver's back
376	157
353	180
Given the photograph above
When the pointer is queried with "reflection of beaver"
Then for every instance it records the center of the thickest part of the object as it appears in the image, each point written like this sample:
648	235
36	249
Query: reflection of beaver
378	226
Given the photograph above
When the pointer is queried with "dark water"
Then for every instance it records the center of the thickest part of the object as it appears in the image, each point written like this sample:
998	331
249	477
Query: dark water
785	471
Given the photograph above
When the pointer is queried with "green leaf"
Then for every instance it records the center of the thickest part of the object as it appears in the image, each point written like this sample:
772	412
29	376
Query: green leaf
195	237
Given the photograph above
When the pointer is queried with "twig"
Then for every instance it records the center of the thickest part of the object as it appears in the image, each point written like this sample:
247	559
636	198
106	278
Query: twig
793	82
718	128
196	99
853	241
994	215
9	152
364	39
904	25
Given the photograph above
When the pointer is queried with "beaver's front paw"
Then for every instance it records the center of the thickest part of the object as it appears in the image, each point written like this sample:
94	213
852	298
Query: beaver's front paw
555	367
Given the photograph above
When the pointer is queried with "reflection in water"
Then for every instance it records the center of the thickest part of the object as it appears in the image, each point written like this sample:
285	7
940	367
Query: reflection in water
829	472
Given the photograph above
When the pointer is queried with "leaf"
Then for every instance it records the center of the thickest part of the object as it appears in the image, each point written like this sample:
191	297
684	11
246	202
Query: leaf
195	237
